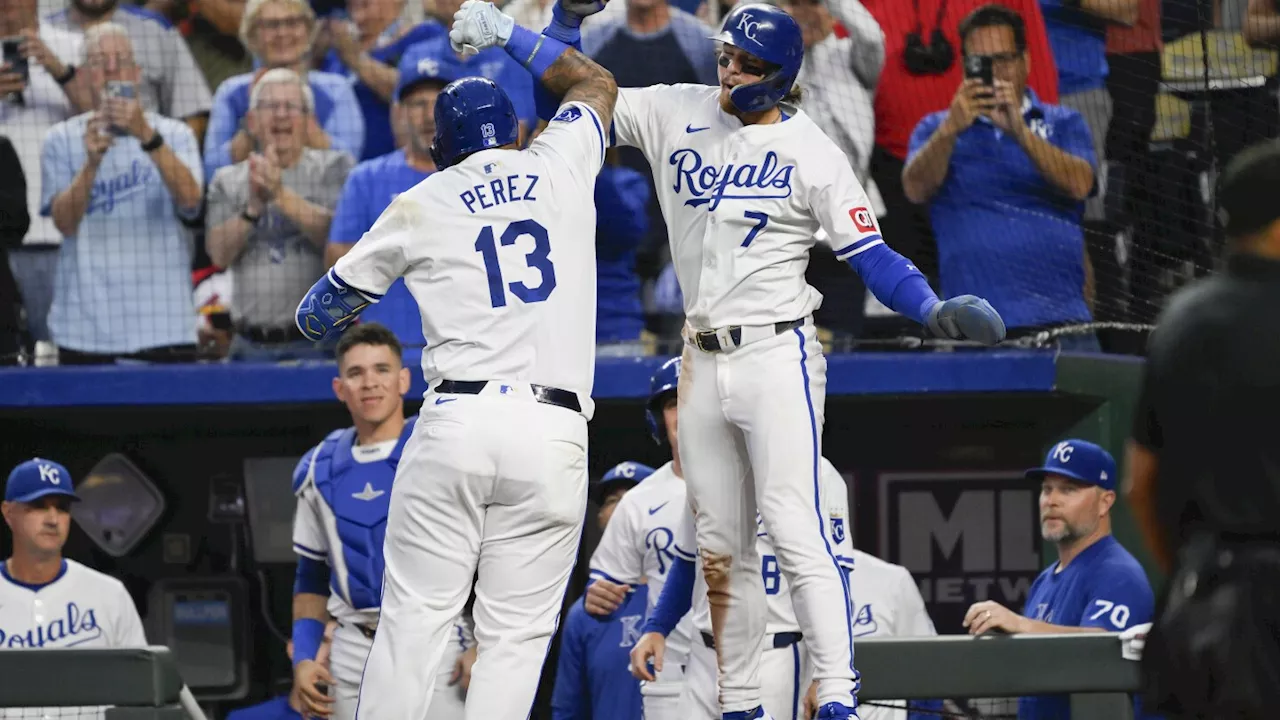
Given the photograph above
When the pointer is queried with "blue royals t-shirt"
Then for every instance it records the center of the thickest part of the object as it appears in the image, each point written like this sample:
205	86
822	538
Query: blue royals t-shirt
1103	587
593	676
1004	232
370	188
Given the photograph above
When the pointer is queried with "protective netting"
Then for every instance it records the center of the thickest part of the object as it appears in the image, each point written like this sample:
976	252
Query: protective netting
1093	215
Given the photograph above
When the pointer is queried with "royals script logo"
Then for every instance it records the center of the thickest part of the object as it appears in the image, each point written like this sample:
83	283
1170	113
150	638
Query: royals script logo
709	184
73	627
107	192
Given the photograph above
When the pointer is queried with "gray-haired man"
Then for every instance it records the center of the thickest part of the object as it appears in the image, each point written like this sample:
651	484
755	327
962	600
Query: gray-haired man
269	215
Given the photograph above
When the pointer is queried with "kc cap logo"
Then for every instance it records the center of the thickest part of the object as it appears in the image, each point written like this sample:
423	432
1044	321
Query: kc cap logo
863	219
1062	452
748	26
428	66
627	470
49	474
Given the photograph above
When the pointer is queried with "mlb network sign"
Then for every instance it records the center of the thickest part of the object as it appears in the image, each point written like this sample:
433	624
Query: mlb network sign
965	537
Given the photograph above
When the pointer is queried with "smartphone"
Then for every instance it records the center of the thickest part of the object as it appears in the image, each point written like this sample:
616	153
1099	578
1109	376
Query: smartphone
120	89
979	66
14	59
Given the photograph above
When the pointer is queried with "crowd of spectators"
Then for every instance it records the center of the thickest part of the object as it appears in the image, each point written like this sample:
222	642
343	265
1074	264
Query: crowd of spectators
252	142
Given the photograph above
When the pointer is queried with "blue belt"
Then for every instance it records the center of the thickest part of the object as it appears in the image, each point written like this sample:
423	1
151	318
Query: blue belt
779	640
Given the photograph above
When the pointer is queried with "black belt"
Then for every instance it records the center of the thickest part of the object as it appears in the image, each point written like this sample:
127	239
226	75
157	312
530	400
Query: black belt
707	341
541	393
271	334
780	640
365	630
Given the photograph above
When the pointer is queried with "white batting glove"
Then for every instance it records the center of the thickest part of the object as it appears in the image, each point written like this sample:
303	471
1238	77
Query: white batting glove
479	25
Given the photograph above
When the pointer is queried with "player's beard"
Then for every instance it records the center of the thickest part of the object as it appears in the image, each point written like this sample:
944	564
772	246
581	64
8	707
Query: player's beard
1067	534
94	10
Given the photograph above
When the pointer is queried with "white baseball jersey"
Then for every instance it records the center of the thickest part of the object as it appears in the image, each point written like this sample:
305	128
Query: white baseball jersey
782	615
639	545
499	252
742	204
82	608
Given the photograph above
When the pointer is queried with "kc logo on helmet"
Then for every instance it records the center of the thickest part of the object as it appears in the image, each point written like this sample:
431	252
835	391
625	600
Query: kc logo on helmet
748	26
863	219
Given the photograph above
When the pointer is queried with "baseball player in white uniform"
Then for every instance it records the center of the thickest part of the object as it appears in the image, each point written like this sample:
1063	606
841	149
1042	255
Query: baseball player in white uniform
498	250
46	600
639	546
785	668
343	487
745	181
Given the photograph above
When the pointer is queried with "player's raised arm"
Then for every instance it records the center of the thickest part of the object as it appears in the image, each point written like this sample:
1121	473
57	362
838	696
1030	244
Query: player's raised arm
841	206
563	71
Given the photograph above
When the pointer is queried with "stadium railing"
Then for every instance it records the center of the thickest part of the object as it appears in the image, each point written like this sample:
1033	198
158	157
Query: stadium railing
144	683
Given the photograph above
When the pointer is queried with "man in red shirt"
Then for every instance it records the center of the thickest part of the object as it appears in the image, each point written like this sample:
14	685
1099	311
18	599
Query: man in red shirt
921	80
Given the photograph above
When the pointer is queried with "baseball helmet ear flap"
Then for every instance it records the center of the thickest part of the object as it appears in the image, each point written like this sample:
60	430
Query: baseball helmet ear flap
770	34
436	157
663	384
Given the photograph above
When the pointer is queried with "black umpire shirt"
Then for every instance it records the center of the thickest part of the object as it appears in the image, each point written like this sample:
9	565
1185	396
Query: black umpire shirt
1210	404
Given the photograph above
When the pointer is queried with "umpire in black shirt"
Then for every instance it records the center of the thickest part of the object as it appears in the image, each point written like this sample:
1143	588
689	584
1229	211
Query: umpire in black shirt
1204	468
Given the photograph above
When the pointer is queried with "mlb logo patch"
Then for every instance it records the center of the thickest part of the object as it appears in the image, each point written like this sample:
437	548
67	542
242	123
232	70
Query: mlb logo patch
568	114
837	529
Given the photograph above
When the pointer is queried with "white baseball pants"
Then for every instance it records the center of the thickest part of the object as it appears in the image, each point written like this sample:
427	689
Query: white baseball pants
346	663
750	438
783	671
662	698
494	484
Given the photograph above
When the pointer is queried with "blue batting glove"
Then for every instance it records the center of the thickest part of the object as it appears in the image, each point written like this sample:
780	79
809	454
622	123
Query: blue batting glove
966	317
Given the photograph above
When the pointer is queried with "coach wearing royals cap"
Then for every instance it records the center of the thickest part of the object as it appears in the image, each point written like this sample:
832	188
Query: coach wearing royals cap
1095	586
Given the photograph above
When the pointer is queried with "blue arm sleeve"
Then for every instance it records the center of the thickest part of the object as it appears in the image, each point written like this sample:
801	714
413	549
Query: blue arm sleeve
328	307
676	598
894	281
308	633
566	29
311	577
571	694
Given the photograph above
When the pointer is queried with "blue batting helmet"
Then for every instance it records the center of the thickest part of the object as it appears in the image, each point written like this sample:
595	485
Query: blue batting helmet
773	36
662	384
623	475
472	114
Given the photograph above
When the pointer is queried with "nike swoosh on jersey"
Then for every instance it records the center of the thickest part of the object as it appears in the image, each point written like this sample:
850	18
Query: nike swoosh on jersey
441	401
656	509
692	129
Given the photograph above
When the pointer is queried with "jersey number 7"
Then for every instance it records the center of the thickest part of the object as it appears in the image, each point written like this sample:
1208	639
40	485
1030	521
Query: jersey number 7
539	259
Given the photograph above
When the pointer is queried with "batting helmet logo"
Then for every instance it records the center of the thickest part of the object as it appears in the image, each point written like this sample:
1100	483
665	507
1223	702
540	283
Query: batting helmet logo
748	26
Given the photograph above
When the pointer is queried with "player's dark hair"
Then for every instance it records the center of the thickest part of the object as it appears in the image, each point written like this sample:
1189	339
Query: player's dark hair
367	334
795	95
995	15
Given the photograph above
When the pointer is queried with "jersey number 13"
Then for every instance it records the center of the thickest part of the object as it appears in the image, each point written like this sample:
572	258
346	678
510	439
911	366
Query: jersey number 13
538	259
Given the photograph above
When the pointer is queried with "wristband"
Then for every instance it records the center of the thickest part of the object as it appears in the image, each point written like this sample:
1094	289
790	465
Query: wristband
154	143
533	51
67	76
308	633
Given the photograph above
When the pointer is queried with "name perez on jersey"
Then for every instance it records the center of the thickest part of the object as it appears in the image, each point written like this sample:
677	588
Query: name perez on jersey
504	190
76	626
766	181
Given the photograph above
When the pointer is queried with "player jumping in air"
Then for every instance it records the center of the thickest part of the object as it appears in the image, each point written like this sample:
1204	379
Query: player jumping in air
498	250
745	181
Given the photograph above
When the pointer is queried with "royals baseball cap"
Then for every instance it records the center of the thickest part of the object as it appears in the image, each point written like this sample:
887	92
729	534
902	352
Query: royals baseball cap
1081	461
37	478
424	69
1247	190
623	475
